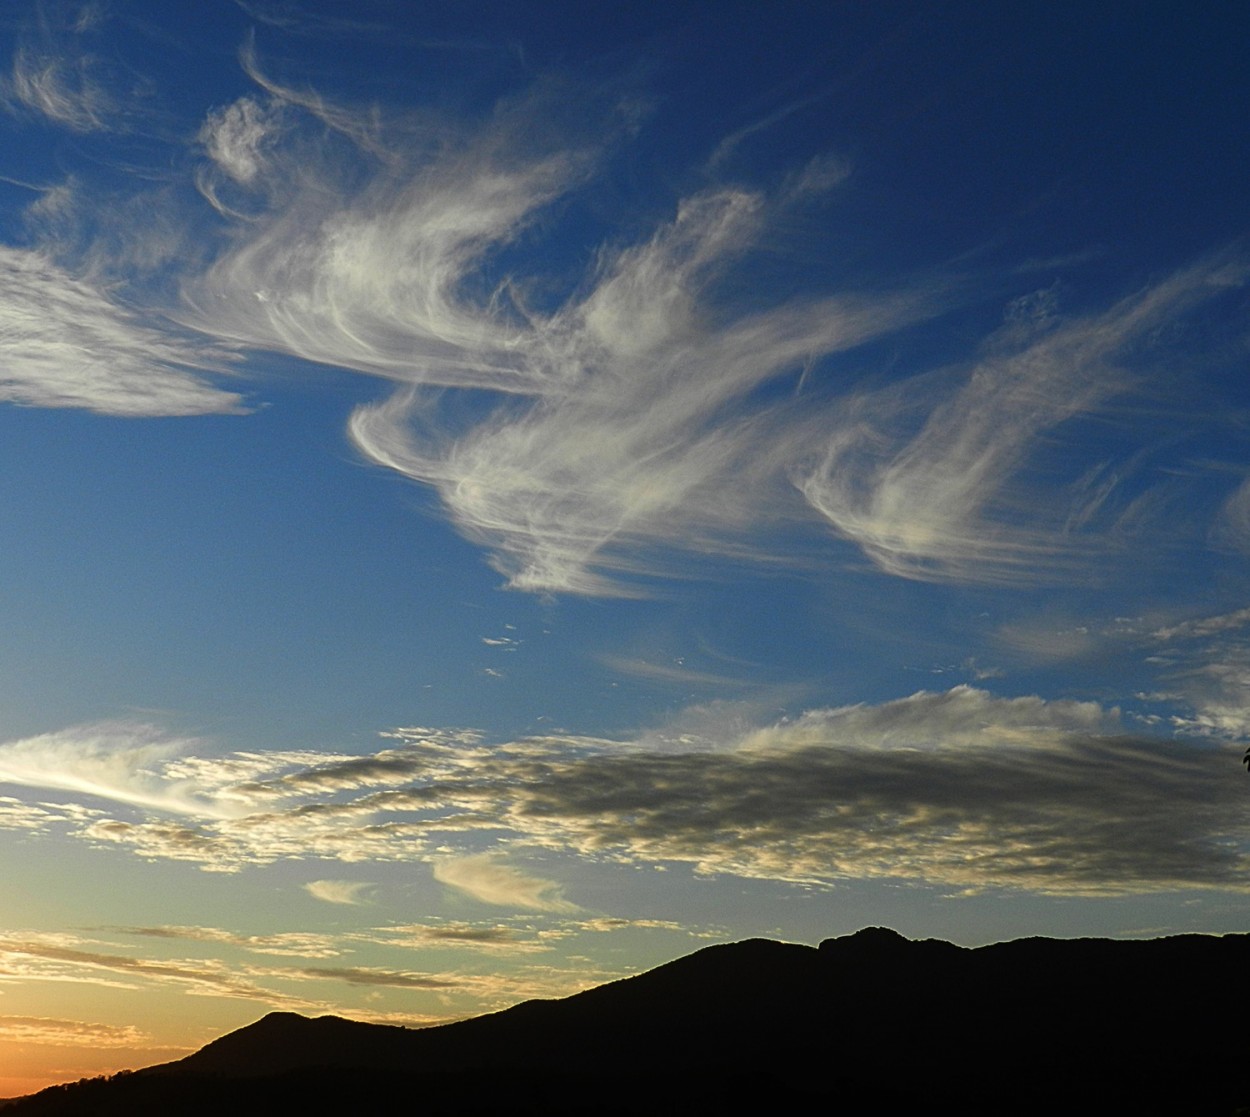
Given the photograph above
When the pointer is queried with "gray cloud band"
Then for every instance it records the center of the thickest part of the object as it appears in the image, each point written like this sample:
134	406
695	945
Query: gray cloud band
959	789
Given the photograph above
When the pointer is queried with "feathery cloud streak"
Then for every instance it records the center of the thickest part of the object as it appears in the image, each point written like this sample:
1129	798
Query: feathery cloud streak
589	425
56	76
65	343
616	420
1207	663
942	501
632	418
959	789
486	878
350	892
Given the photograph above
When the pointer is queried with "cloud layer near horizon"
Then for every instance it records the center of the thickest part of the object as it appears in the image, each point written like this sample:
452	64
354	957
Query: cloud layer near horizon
91	960
958	789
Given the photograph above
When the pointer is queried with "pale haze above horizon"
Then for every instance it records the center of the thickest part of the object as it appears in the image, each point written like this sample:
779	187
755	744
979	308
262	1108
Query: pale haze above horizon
497	496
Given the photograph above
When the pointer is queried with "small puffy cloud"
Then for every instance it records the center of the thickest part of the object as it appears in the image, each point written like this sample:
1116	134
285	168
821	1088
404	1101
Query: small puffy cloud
487	878
16	815
338	891
235	136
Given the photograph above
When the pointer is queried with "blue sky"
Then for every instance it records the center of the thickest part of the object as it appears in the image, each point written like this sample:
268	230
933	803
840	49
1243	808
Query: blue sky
496	496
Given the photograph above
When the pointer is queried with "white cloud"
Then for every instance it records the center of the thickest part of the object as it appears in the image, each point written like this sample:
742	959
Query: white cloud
926	479
629	416
16	815
114	761
65	343
638	435
1206	666
61	87
590	424
235	136
338	891
1205	626
487	878
369	277
1233	527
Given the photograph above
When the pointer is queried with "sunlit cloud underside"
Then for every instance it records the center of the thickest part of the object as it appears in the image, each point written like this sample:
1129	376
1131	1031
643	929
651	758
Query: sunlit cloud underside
958	789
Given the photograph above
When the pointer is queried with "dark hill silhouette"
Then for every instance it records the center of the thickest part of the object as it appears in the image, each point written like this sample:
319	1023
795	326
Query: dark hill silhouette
870	1022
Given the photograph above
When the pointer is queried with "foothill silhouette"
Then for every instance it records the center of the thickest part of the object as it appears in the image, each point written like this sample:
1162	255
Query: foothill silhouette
869	1022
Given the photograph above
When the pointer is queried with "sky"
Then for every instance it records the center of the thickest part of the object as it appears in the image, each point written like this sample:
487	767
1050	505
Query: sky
498	496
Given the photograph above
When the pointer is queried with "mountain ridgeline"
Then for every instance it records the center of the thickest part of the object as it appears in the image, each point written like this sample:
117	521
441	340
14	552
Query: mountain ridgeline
867	1023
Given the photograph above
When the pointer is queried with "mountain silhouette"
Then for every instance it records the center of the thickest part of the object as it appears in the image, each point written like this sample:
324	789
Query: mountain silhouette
870	1022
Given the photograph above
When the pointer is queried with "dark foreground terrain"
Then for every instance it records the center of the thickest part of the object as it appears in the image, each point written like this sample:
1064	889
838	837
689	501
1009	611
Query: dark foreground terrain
869	1023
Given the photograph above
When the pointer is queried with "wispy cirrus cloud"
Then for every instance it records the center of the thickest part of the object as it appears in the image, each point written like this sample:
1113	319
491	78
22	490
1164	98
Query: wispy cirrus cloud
114	761
925	475
488	878
62	73
350	892
621	414
300	944
33	957
636	415
592	425
60	87
234	137
67	959
360	246
517	934
65	343
362	975
638	433
676	672
1233	527
958	789
464	936
1205	664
